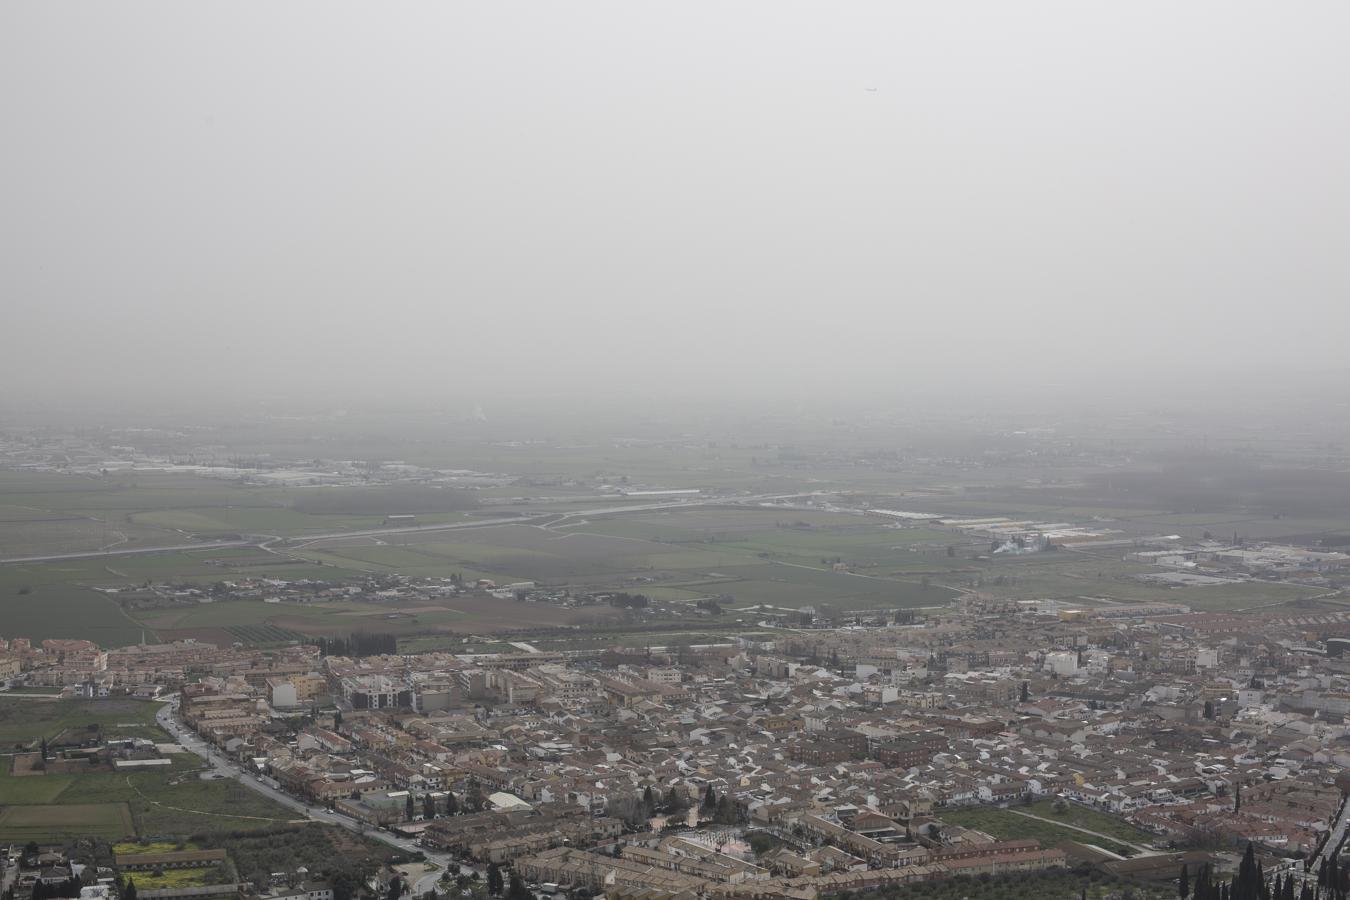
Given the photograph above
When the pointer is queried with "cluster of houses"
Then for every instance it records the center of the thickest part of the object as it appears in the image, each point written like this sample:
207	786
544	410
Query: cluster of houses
847	746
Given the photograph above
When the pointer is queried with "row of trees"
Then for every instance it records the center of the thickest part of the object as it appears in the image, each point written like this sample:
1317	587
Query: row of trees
512	889
330	853
623	600
1250	883
1333	881
68	888
359	644
636	811
449	805
724	810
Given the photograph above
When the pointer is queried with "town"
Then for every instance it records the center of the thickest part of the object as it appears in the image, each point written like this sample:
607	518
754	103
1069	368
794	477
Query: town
627	451
983	738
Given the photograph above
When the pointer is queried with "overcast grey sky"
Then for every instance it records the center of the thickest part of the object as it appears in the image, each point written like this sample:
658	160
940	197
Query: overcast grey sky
239	198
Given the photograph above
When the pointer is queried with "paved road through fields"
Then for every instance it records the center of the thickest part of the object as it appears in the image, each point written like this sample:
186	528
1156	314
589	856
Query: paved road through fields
168	720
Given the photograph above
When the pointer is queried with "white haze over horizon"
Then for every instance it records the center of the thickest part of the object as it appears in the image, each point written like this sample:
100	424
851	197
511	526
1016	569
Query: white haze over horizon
209	202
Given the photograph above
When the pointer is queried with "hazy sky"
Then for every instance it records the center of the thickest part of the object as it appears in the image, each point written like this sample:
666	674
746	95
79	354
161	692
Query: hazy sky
236	199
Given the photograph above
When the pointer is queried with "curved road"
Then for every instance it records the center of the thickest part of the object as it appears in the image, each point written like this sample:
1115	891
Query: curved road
167	719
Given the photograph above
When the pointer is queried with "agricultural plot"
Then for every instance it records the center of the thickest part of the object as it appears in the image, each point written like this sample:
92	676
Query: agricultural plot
259	635
26	721
866	547
116	806
46	534
612	546
35	789
664	464
756	555
513	553
272	520
1260	528
1004	825
257	622
37	608
1073	576
795	585
167	878
205	566
309	618
1092	820
43	513
185	520
20	824
381	500
176	878
58	600
704	523
665	640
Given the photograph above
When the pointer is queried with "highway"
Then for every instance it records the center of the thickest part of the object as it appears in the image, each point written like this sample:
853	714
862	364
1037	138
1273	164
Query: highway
132	551
167	718
540	519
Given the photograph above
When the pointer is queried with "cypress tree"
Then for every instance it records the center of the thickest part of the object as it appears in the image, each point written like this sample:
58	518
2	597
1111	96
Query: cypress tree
1202	883
1244	883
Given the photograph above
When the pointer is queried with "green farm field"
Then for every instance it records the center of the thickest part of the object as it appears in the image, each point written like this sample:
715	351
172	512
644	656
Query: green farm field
232	620
113	805
45	513
27	720
116	806
1092	820
755	556
752	554
1069	575
1006	824
20	824
37	605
